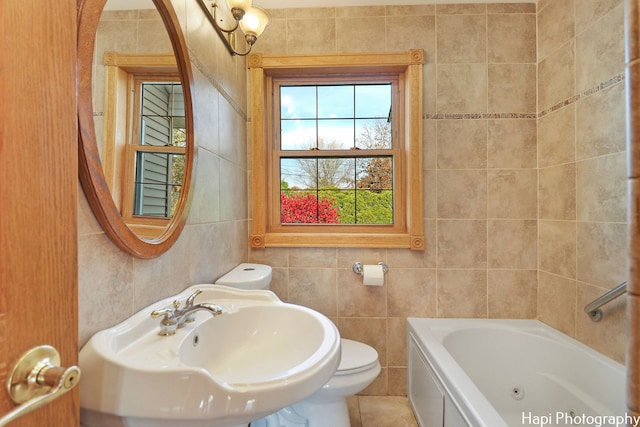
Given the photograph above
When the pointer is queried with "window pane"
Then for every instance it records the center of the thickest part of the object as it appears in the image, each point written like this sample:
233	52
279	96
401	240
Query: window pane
298	174
158	183
335	102
179	132
297	134
374	207
374	200
162	113
375	173
373	134
373	101
335	134
298	102
176	99
336	172
155	131
336	190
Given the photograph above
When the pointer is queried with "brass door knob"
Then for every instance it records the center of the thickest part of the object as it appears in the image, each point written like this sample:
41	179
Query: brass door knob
37	379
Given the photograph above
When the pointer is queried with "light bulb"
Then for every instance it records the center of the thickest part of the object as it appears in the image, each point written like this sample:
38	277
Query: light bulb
239	4
254	22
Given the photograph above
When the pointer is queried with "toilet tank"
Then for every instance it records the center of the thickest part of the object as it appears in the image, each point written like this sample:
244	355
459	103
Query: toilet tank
247	276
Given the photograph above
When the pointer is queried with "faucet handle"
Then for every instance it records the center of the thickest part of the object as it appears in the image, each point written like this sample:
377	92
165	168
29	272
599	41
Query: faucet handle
189	304
191	298
169	323
168	313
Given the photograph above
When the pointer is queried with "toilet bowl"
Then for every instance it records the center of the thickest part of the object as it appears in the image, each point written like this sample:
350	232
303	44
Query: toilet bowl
359	366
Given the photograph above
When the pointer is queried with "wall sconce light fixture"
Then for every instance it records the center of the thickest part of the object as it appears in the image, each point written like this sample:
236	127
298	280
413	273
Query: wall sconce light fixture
252	20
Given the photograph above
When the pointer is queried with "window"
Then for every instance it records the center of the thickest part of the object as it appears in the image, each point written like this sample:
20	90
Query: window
158	147
144	138
336	150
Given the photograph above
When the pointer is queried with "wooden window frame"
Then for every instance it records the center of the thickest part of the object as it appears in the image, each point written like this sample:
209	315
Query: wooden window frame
123	75
408	230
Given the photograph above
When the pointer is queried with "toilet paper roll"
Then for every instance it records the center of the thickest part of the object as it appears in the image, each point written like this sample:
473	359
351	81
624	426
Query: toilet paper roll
373	275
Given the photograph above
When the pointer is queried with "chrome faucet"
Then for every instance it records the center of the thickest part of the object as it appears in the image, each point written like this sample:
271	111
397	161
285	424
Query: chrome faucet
176	317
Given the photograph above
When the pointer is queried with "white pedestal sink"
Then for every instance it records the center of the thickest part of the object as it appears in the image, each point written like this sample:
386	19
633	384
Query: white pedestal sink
259	356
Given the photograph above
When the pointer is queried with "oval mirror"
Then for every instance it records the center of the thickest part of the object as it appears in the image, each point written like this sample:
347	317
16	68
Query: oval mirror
136	148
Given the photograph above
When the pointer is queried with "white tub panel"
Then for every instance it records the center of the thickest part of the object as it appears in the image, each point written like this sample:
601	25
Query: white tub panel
426	396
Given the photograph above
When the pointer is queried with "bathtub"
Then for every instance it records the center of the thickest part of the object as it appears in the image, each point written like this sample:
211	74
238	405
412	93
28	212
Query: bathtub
499	373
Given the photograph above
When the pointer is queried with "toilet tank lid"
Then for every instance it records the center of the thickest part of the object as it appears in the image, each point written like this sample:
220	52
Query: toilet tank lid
247	276
356	356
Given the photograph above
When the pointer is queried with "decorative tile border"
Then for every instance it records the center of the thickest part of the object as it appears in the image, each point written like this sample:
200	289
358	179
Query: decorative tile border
437	116
480	116
476	116
199	65
602	86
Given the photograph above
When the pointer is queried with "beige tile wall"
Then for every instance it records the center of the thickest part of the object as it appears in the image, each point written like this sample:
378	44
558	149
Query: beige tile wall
525	189
583	234
489	236
113	285
124	31
480	175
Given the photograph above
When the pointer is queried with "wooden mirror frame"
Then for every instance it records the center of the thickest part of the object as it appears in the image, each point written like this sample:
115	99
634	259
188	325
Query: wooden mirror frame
91	174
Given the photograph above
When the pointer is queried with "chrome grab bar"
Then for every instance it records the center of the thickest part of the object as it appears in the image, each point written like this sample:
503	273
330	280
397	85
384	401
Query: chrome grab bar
593	308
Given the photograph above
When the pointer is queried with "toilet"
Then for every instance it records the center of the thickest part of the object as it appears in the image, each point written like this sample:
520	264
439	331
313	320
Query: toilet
359	366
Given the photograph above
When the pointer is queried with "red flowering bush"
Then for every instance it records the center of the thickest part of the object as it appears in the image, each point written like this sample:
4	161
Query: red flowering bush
307	209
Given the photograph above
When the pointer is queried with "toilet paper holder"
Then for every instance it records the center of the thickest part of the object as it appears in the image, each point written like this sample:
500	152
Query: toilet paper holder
358	267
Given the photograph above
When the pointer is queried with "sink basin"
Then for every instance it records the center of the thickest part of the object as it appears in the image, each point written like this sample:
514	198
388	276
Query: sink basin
257	357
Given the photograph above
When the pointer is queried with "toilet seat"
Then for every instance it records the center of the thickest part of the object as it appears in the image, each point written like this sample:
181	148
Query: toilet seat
356	357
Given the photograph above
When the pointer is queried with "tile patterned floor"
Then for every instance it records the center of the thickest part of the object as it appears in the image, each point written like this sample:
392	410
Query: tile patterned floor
381	411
